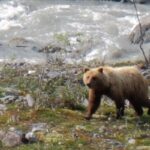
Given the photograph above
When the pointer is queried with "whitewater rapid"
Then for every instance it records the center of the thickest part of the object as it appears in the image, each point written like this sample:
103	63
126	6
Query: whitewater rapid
85	30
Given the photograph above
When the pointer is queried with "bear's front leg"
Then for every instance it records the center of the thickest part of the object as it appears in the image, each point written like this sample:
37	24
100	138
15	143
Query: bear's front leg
119	108
93	104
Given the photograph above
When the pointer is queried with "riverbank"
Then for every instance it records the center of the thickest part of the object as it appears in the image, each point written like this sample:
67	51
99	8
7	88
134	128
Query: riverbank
43	107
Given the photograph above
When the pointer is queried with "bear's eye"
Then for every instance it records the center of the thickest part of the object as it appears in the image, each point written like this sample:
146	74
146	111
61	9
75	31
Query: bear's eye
87	77
94	78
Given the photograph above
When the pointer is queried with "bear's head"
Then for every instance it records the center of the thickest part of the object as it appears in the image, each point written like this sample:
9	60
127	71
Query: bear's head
95	78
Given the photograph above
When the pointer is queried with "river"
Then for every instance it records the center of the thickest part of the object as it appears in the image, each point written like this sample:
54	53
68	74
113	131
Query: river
85	30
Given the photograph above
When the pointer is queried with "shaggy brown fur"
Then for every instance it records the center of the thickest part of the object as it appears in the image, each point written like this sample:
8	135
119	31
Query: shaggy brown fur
118	84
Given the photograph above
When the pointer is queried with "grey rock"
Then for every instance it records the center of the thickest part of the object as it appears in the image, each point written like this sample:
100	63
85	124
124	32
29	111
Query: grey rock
3	107
2	134
13	129
85	102
30	100
11	91
8	99
39	127
11	139
24	43
54	74
30	136
20	99
136	36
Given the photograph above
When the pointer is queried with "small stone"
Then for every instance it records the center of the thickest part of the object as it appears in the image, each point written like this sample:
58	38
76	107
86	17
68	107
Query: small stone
11	139
30	100
13	129
109	118
96	116
102	129
96	135
39	127
85	102
53	74
30	137
2	134
79	127
3	107
131	141
122	127
31	71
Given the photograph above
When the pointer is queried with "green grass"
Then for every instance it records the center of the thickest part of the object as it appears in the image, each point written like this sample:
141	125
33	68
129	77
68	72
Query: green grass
59	104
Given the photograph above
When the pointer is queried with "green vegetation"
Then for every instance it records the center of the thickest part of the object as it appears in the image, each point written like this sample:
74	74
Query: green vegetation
59	103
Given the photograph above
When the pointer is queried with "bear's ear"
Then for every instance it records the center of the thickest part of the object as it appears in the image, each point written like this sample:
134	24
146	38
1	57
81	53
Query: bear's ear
100	70
85	70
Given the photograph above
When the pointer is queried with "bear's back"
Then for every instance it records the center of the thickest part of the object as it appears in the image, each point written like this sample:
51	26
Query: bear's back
129	82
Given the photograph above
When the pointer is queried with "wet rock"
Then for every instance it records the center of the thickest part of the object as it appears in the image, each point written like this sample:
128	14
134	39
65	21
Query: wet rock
136	36
30	100
11	139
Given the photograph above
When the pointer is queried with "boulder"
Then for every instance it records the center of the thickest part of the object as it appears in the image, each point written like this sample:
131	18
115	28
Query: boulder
11	139
136	36
30	100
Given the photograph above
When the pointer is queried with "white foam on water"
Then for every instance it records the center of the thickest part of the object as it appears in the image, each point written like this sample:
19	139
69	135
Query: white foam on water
93	30
9	12
7	24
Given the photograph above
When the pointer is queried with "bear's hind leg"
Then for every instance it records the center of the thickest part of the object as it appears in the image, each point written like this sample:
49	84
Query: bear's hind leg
120	109
138	108
146	103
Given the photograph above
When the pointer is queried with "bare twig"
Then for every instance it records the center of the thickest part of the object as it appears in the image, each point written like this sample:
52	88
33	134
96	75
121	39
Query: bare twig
142	40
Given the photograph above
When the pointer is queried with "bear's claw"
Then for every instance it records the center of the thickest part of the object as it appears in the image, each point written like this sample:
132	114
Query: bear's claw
87	117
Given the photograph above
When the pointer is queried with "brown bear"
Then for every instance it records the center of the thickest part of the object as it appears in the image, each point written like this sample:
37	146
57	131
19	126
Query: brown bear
119	84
